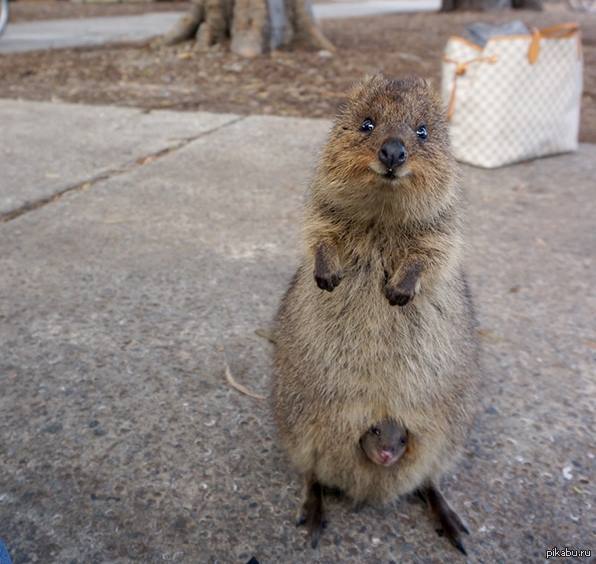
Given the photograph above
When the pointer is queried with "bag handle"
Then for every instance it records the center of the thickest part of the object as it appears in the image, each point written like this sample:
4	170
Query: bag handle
560	31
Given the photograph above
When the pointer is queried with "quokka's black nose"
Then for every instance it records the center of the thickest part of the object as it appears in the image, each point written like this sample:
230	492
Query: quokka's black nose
393	153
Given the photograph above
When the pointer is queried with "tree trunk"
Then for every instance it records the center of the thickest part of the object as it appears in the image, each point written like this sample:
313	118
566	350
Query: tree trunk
253	26
528	4
483	5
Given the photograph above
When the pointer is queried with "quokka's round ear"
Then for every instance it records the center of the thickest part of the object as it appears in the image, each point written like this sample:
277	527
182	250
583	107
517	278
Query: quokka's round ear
368	82
410	82
358	91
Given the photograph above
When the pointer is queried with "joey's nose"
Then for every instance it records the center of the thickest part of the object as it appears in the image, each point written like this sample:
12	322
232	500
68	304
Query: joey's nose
393	153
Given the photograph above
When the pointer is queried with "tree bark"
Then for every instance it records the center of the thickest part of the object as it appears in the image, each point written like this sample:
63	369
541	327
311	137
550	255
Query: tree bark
252	26
484	5
528	4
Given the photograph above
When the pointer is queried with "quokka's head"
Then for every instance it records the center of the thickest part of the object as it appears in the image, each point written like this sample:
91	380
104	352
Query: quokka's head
390	137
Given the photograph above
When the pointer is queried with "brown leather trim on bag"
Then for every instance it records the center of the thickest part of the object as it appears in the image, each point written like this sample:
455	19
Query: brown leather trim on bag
561	31
465	42
534	49
460	70
580	49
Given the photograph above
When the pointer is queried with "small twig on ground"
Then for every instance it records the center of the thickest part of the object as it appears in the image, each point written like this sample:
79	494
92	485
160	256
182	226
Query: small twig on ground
241	388
266	334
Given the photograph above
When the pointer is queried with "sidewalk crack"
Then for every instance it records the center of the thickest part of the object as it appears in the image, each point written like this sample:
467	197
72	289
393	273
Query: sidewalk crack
88	183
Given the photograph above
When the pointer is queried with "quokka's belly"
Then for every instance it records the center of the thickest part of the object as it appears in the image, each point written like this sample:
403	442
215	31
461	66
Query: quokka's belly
354	344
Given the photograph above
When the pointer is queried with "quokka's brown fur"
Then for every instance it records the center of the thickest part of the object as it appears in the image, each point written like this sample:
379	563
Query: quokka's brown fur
348	358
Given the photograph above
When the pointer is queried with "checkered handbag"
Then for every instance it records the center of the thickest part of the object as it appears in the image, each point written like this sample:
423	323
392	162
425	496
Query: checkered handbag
516	98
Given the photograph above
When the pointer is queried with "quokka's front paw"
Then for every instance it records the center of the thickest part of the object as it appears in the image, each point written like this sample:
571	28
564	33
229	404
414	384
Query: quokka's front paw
327	270
398	295
328	280
406	289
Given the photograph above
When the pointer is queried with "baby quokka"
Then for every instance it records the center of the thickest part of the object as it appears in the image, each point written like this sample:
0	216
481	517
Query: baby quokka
385	442
376	328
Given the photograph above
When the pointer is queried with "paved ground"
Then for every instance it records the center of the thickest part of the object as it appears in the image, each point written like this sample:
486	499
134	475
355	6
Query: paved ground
121	302
51	34
356	8
81	143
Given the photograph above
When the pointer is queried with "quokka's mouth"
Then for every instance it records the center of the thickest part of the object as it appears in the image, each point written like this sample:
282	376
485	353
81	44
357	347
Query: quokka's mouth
385	459
391	175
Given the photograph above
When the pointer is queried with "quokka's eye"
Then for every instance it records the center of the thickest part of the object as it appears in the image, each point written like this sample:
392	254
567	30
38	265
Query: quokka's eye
367	125
422	132
376	431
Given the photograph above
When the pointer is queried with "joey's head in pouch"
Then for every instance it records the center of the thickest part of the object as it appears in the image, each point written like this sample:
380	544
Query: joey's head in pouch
385	442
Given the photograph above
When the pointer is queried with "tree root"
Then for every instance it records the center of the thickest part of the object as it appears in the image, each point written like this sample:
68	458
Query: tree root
247	23
186	27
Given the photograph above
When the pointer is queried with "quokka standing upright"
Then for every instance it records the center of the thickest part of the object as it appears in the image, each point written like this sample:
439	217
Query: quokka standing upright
377	322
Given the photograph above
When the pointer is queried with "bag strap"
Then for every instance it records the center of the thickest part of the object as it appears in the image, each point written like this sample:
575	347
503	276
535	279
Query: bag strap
560	31
460	69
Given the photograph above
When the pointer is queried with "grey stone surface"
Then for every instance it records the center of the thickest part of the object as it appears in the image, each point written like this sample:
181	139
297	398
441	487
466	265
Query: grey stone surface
55	34
355	8
49	147
121	304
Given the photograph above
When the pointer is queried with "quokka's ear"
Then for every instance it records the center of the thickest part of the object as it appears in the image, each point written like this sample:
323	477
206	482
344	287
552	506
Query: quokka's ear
412	81
365	85
342	108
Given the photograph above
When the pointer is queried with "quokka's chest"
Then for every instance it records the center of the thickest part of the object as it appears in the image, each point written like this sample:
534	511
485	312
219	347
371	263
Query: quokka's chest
366	250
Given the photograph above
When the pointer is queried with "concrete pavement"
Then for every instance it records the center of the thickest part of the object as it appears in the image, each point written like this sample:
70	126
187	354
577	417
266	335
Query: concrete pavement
53	34
80	32
78	143
122	301
358	8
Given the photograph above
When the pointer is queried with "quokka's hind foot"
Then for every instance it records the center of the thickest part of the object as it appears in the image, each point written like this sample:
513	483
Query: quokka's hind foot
451	526
332	491
358	506
312	515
